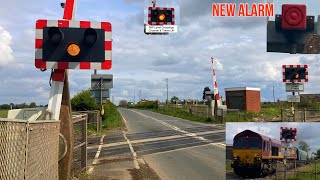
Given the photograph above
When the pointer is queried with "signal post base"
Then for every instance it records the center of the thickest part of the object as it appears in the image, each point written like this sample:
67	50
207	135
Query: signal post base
66	129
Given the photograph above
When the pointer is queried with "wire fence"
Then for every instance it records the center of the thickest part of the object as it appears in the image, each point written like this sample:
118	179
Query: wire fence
221	115
29	150
300	115
298	170
93	121
79	161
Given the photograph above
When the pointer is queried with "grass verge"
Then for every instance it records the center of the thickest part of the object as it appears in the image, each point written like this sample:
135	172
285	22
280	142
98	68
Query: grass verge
182	113
111	118
3	113
307	172
228	166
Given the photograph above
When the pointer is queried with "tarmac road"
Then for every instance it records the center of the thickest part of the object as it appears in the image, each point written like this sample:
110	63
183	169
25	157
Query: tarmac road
173	148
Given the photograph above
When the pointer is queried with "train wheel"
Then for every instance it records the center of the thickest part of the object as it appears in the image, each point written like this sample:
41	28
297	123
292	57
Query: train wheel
237	171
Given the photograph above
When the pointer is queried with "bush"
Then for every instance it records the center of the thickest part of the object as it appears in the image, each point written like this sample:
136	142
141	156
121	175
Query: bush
84	102
147	105
111	117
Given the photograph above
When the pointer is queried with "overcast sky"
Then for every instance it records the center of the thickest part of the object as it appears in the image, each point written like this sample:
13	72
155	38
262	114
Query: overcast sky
308	132
142	62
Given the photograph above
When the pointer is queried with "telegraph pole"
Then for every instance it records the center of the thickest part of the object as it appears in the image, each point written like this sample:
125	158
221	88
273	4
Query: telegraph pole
274	100
140	95
134	98
167	91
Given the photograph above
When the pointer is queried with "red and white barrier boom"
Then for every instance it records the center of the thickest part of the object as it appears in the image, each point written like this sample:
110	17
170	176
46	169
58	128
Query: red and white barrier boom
215	85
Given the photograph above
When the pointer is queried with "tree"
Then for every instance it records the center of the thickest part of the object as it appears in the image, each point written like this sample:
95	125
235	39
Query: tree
84	102
317	154
305	147
174	99
5	106
123	103
32	105
204	92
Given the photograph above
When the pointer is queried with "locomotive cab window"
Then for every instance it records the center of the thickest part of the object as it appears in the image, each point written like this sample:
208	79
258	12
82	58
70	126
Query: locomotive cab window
240	143
244	143
254	143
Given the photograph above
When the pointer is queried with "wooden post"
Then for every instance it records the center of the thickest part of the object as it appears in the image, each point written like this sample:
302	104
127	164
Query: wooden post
66	124
305	115
285	168
66	129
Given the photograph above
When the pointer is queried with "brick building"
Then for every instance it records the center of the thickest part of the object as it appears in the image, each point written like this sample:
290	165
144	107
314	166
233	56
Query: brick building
243	98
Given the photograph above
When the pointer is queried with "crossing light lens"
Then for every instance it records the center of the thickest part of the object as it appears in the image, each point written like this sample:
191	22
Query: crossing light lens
162	17
73	49
55	35
296	76
90	36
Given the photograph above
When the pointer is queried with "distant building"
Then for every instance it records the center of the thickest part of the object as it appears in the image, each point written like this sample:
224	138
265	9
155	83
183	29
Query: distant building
142	101
243	98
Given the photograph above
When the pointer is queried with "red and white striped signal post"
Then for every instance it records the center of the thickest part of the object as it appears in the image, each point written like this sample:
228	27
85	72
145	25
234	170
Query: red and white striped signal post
287	136
69	44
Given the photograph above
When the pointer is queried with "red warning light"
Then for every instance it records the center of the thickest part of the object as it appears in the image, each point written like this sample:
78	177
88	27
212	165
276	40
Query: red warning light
294	17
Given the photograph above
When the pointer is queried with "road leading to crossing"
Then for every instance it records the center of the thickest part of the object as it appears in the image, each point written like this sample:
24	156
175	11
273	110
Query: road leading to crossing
172	147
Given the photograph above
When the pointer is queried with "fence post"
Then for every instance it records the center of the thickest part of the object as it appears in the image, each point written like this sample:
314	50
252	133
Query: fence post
305	115
97	122
207	109
276	168
281	115
316	170
84	147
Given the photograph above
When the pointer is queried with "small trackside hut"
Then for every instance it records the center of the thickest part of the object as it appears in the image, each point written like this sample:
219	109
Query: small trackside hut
243	98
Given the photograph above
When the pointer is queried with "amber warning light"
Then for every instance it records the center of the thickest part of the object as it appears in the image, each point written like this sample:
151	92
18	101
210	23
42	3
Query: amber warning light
243	9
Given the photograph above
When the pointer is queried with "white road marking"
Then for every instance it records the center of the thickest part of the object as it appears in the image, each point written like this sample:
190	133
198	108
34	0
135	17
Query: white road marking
163	152
136	164
95	160
156	139
183	131
125	121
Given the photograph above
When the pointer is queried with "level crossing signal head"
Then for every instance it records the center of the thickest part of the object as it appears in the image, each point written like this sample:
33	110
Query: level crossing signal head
288	134
66	44
295	73
161	16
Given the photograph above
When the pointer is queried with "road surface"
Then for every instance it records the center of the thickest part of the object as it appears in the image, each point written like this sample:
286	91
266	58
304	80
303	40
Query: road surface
170	148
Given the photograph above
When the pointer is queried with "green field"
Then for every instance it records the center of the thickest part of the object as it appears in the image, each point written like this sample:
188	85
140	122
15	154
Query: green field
3	113
182	113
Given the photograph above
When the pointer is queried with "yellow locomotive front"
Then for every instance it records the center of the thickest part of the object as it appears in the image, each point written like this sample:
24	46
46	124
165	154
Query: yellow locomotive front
247	155
254	154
